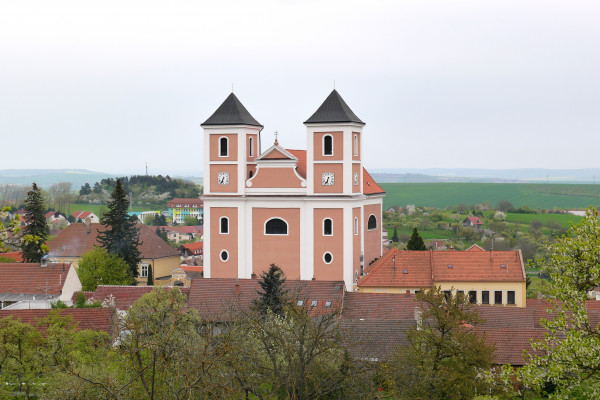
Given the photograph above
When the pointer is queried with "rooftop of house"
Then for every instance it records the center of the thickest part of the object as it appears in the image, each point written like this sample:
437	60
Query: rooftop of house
33	279
78	239
474	220
414	269
182	202
82	214
17	256
98	319
192	246
333	110
122	297
231	112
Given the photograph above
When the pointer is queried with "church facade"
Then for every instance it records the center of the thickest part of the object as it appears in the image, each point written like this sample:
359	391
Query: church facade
315	213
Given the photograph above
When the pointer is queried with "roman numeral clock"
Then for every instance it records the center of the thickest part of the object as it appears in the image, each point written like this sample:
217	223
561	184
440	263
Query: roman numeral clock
223	178
327	179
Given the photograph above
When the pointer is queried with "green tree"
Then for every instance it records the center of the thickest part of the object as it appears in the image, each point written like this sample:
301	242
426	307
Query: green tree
273	294
444	358
570	363
150	281
100	267
162	233
85	189
190	221
9	227
35	233
395	236
416	241
121	235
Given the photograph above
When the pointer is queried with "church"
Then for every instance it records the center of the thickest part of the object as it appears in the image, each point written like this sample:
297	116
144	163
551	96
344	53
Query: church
315	213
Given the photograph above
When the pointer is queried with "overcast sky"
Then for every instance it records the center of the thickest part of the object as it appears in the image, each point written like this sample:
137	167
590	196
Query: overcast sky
440	84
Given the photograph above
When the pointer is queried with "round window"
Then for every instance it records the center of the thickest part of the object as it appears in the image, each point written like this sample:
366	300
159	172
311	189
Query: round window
328	258
224	255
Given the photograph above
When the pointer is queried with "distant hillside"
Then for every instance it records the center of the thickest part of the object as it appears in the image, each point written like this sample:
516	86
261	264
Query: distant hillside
441	195
47	177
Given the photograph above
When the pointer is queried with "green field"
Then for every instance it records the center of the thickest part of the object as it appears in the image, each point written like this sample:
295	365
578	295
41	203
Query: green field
441	195
561	219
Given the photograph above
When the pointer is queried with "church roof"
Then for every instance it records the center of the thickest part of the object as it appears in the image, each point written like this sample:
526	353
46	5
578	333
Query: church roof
231	112
333	110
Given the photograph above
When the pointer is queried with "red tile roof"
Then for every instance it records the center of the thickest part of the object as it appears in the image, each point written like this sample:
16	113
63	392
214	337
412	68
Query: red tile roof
15	255
191	268
192	203
96	319
369	184
81	214
32	278
413	269
385	306
217	297
301	156
124	296
49	214
78	239
475	220
194	248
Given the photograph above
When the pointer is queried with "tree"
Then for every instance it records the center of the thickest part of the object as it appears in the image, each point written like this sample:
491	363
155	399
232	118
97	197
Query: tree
150	281
504	206
272	291
416	241
100	267
190	221
35	233
567	359
395	236
97	188
85	189
10	227
121	235
162	233
444	357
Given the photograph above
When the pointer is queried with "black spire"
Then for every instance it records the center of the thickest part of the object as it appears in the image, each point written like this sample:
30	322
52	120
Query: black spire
231	112
334	109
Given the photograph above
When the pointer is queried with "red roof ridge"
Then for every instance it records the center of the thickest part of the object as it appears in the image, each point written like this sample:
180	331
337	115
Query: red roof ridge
378	263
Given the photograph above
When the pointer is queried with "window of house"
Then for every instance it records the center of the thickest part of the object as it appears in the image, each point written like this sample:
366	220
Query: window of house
300	302
328	258
223	147
447	294
462	292
356	225
355	145
372	223
251	147
328	303
224	255
144	271
472	296
314	303
327	145
498	297
276	226
224	222
327	227
485	297
510	297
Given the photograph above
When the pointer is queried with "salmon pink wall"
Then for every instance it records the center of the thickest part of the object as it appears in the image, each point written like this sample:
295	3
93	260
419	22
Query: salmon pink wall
214	175
338	146
281	250
333	244
214	147
276	155
338	182
219	242
372	238
276	178
356	243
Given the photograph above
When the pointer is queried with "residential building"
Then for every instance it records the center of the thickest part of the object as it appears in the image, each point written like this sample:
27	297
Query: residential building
31	285
143	215
87	217
53	216
78	239
181	208
315	213
472	222
486	277
182	233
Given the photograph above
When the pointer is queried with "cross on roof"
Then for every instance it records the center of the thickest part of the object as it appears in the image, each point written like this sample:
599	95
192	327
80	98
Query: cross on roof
276	142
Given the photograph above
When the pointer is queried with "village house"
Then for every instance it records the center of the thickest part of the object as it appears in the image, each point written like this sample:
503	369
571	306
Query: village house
472	222
182	233
54	216
316	213
78	239
31	285
87	217
486	277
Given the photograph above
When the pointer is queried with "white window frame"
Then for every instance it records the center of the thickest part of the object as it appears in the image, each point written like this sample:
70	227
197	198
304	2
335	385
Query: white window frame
327	234
331	254
368	219
250	146
323	146
226	141
144	270
221	225
356	144
221	255
277	234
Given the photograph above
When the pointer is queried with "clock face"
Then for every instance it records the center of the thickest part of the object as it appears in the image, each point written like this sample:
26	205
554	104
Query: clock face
327	179
356	178
223	178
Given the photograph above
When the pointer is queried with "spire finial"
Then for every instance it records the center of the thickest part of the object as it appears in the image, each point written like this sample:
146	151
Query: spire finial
276	142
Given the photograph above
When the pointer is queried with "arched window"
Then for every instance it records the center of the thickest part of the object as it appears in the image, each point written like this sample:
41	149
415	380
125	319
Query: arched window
224	223
355	225
372	223
223	147
355	145
327	227
276	226
251	147
327	145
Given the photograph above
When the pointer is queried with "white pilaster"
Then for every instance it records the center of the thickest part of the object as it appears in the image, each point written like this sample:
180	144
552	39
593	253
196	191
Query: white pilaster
348	253
207	233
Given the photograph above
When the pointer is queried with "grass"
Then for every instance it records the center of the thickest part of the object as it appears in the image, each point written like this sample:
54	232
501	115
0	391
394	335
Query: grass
441	195
564	220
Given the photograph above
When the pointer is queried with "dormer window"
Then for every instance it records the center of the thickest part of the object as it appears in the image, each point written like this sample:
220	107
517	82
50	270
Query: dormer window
223	147
327	145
